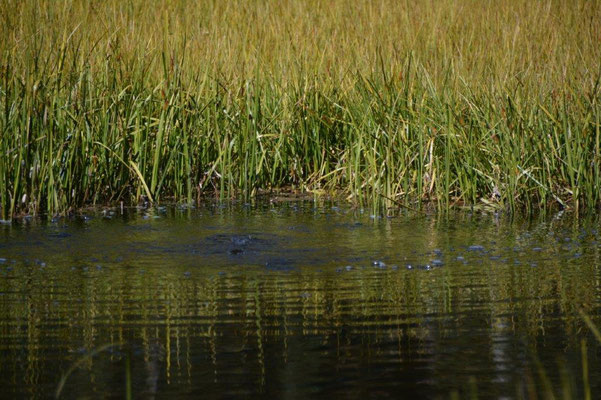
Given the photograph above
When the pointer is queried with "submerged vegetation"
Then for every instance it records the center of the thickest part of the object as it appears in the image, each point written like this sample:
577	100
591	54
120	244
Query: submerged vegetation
389	103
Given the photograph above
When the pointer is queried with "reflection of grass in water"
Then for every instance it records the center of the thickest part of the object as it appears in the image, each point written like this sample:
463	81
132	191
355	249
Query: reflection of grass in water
88	357
566	384
389	102
118	301
595	330
544	387
591	325
405	297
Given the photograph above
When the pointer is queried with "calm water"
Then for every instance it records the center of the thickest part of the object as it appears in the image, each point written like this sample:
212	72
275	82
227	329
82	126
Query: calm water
297	300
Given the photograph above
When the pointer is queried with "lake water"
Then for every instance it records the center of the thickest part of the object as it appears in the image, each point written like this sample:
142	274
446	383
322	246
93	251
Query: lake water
298	300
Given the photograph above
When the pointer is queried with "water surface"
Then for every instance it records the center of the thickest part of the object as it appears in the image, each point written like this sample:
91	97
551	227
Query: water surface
297	300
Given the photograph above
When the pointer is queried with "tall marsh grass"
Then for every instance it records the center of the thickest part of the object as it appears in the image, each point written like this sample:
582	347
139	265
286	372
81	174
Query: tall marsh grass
387	102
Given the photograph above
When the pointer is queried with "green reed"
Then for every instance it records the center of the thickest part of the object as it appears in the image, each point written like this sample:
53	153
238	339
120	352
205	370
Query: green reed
386	103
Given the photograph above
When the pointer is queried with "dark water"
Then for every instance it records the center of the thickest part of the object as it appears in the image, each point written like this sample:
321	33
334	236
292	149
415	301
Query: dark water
298	301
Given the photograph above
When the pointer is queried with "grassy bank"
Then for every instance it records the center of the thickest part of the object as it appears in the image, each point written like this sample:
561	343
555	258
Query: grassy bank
386	102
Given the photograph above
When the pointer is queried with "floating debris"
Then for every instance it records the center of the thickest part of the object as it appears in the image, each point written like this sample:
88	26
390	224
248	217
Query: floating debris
475	247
